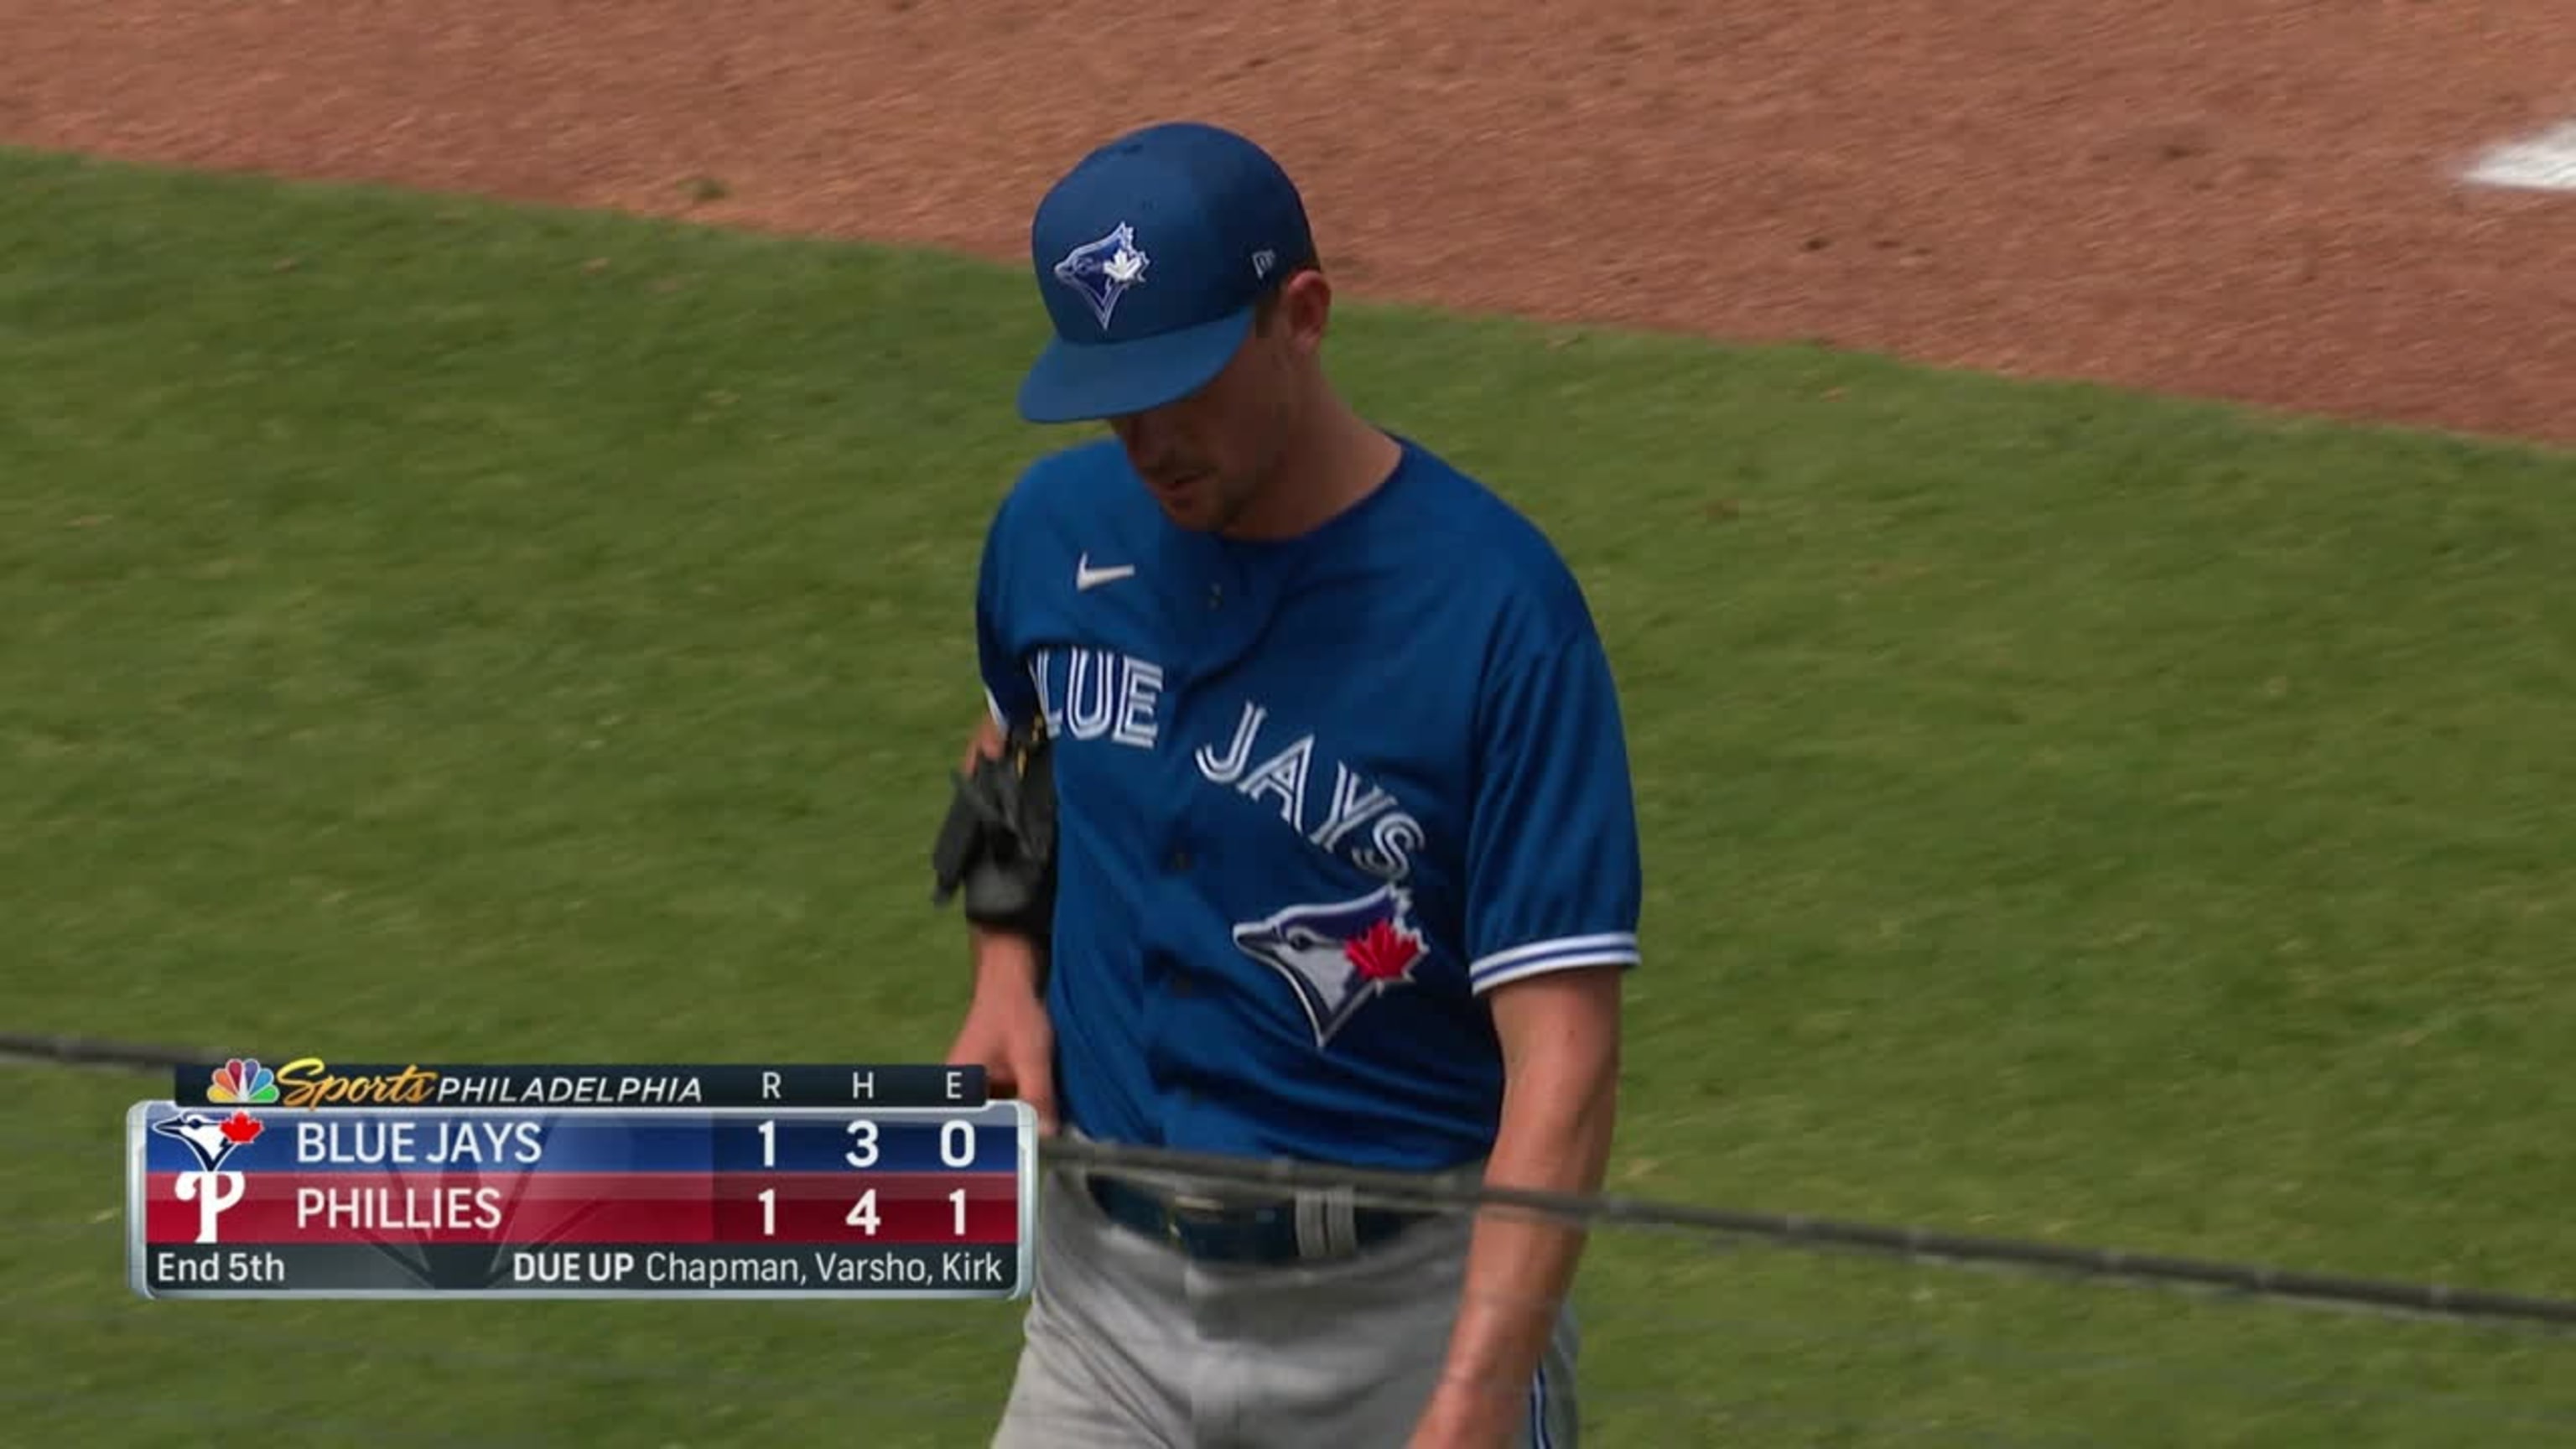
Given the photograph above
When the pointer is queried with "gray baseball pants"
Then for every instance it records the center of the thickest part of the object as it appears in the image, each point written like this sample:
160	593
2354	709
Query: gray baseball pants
1130	1345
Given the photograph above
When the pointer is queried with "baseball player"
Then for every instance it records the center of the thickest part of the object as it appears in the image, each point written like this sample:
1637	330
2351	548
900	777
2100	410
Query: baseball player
1301	827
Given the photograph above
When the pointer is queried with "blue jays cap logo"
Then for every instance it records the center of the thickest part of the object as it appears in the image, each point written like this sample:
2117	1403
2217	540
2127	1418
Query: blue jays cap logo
1104	269
1339	957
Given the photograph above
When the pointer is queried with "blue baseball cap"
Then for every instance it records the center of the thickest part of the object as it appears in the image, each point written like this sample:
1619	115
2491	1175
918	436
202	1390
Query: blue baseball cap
1150	254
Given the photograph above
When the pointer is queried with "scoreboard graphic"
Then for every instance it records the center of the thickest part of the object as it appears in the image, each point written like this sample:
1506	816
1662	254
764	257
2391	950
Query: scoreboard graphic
308	1181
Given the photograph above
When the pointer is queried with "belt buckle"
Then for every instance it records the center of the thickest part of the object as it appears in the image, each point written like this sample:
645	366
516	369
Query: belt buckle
1181	1209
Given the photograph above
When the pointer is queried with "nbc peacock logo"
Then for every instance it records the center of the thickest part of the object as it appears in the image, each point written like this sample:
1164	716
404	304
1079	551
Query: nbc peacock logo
243	1079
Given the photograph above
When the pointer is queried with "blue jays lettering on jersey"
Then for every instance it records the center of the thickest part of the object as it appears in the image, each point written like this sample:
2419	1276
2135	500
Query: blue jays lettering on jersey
1315	797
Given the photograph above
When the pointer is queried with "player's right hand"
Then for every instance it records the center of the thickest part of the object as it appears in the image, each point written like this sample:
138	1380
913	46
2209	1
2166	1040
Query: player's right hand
984	744
1007	1032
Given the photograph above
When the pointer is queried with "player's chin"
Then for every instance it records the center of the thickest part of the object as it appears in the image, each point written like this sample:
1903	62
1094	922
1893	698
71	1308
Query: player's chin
1191	503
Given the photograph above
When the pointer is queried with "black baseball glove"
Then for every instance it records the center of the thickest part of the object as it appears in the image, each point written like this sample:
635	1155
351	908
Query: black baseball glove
998	843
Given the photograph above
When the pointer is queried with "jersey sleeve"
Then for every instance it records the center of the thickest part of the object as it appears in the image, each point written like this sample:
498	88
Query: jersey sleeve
1008	691
1553	876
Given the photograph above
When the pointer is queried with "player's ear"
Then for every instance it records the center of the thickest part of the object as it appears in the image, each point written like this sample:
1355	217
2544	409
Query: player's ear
1305	307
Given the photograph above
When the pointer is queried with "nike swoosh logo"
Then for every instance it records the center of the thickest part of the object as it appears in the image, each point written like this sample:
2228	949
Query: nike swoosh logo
1087	577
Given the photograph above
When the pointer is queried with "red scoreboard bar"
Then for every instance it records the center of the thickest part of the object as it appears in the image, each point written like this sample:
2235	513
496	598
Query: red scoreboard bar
572	1196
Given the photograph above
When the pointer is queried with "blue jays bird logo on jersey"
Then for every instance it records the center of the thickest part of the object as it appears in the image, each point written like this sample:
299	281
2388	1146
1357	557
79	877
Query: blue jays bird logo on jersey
1338	957
1103	270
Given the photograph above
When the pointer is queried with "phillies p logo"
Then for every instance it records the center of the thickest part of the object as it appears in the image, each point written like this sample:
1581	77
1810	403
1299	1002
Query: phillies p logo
213	1193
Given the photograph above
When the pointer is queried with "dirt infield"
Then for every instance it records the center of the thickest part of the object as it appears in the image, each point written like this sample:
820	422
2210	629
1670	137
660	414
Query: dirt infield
2251	199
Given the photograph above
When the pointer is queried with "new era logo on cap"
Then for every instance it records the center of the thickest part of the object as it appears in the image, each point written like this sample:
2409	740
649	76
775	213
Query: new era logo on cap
1149	255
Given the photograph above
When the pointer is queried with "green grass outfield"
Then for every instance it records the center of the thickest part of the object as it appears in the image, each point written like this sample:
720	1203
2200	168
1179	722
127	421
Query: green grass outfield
433	630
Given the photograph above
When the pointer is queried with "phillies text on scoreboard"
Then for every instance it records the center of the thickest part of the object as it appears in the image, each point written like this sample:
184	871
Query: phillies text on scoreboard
247	1201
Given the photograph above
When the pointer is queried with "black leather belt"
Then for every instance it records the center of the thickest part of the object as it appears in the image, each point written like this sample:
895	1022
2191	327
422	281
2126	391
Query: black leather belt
1263	1233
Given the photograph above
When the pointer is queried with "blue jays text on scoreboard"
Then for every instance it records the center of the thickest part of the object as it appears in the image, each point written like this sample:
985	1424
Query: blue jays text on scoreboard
312	1181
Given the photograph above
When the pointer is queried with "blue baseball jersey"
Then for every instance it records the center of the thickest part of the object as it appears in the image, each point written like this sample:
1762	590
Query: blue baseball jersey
1315	798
